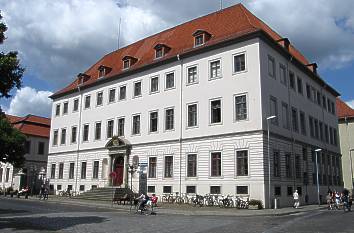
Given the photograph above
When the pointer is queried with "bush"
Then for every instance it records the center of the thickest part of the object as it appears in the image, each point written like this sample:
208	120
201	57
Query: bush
257	203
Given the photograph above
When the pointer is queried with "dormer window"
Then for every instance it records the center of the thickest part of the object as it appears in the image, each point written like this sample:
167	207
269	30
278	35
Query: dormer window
161	50
200	37
128	61
126	64
103	71
82	78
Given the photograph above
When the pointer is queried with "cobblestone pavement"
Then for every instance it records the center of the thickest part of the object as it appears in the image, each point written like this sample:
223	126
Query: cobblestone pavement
54	216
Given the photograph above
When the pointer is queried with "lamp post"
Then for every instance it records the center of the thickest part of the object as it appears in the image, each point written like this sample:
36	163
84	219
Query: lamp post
351	168
268	153
318	185
3	176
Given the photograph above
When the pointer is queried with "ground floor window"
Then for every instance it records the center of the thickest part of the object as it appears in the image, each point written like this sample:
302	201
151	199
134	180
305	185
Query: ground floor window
82	187
167	189
151	189
70	187
93	186
190	189
299	190
242	189
215	189
290	190
59	187
277	191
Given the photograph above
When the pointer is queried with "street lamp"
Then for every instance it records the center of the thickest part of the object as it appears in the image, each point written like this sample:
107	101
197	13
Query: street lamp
269	199
318	185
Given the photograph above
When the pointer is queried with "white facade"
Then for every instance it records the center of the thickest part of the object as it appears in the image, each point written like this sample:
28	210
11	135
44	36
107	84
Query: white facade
229	136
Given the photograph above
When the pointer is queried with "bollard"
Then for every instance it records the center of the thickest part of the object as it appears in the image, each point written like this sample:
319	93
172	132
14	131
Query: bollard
275	203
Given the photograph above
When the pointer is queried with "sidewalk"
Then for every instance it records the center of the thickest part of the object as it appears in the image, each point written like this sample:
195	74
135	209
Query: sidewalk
182	209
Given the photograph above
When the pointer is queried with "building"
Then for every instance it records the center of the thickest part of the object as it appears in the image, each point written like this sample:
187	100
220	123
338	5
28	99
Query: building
346	134
191	103
33	172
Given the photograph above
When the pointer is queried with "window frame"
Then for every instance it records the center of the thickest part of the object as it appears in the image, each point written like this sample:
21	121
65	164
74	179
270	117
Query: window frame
156	77
282	74
274	121
107	125
61	136
65	109
95	174
149	168
285	122
197	40
174	80
165	119
237	175
197	114
71	173
52	171
83	171
150	122
100	132
97	99
120	92
235	107
242	194
188	176
134	88
211	111
76	107
112	100
273	74
40	148
89	102
71	138
88	133
165	167
133	127
57	110
234	71
219	172
118	126
210	73
196	81
55	137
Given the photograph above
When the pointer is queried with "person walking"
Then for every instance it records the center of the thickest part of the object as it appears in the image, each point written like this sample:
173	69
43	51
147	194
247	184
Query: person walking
296	199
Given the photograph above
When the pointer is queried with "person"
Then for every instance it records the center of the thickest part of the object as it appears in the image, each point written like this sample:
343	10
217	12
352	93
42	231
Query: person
154	199
296	199
329	201
41	192
337	196
143	200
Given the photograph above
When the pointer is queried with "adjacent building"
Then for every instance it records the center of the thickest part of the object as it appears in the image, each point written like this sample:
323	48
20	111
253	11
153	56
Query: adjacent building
346	133
191	103
33	172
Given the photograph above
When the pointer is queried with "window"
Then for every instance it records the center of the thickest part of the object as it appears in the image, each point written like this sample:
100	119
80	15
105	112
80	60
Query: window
85	134
324	103
110	127
152	167
290	190
61	170
59	187
294	120
303	123
215	164
154	84
65	108
82	188
215	111
55	137
52	171
271	67
112	95
239	63
299	85
76	105
241	107
242	162
191	165
126	63
333	108
329	105
190	189
83	170
73	134
99	98
151	189
321	131
274	110
282	76
170	81
98	126
169	119
121	122
57	110
137	89
63	137
192	115
192	76
41	148
285	116
316	128
308	91
71	170
277	191
299	190
326	133
215	189
292	80
276	163
215	69
7	174
167	189
95	169
153	121
297	167
242	190
311	125
288	165
304	153
122	92
198	40
313	94
27	147
318	98
87	101
159	52
168	166
136	124
335	141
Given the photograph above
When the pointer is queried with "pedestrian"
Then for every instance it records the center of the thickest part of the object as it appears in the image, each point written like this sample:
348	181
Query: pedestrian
329	201
296	199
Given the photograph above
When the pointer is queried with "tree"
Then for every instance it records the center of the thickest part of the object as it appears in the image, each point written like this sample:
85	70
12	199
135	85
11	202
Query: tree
12	141
10	69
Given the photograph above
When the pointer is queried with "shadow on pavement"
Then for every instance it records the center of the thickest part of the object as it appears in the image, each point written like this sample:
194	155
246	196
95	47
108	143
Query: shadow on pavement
46	223
11	211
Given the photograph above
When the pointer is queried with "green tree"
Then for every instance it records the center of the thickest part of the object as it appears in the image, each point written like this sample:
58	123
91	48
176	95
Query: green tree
12	141
10	69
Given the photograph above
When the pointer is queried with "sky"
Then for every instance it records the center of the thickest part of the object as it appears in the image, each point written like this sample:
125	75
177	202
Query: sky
56	40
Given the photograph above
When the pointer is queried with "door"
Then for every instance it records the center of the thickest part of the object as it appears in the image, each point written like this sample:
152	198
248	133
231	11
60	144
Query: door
118	169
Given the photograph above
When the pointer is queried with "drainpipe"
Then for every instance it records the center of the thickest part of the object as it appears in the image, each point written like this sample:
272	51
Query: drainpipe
78	137
181	124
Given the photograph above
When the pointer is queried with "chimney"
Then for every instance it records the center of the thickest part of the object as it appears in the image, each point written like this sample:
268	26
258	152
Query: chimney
285	43
312	67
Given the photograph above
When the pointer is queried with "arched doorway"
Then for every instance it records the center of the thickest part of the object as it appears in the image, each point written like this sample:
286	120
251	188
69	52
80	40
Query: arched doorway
118	169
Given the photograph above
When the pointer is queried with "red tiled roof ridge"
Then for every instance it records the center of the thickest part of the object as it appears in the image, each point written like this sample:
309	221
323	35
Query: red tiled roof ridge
29	118
250	23
343	109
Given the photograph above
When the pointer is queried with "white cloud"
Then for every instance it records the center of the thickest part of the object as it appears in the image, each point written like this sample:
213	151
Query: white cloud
351	103
30	101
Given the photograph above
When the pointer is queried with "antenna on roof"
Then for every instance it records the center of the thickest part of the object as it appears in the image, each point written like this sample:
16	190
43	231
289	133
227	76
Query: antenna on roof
120	21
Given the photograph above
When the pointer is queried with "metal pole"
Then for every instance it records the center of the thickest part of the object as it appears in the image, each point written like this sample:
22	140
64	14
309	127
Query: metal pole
269	199
351	168
318	185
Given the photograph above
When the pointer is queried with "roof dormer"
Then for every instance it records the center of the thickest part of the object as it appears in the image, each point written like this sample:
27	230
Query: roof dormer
161	50
312	67
103	70
285	43
201	37
82	78
128	61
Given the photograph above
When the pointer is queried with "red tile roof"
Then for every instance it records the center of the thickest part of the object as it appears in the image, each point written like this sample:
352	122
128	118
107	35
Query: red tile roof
31	125
343	110
230	23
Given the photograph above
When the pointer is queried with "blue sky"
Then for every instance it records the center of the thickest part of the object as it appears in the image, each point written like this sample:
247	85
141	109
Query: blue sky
58	39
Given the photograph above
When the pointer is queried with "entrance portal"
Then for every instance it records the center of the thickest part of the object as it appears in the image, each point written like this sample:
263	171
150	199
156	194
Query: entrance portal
119	170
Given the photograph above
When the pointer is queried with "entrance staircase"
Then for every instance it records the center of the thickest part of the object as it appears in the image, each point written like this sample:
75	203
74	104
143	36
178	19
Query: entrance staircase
104	194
